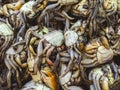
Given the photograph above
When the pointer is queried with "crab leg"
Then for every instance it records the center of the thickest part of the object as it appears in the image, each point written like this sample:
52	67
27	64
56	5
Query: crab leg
64	14
70	64
39	53
98	76
48	55
116	44
83	75
77	49
64	54
96	10
44	11
46	48
94	81
17	72
89	62
14	63
19	62
64	59
90	78
3	46
56	63
21	32
47	19
9	72
30	61
18	43
8	42
32	50
114	69
90	56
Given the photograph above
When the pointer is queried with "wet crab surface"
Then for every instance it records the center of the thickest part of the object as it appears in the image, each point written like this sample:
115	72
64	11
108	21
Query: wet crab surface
59	44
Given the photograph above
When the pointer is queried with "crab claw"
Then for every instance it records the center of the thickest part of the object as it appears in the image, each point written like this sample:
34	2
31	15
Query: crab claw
49	79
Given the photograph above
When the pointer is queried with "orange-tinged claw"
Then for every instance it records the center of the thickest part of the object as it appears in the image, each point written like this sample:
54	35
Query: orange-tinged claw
49	79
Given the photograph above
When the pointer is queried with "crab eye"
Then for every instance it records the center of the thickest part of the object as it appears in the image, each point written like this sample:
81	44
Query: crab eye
85	6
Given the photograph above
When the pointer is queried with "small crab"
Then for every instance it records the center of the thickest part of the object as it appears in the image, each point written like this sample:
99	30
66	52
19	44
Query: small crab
110	6
70	78
27	9
14	58
44	75
74	41
49	41
11	6
53	6
81	8
103	77
61	2
97	51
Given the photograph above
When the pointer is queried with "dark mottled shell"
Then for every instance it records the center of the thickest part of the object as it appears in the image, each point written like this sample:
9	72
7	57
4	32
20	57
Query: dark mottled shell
71	38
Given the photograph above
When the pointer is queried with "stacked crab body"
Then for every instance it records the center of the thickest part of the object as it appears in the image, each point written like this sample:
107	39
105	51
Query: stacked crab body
97	52
15	61
104	77
81	8
45	45
72	77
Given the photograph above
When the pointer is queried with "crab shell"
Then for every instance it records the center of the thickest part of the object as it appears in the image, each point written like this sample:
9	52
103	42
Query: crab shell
104	54
71	38
68	2
74	88
31	85
27	9
5	30
55	38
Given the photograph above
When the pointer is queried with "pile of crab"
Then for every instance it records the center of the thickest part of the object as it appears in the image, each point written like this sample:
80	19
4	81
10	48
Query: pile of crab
59	44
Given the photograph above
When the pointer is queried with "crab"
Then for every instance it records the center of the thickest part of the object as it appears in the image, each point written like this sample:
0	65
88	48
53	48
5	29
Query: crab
95	52
6	38
43	75
61	3
27	9
74	40
52	6
47	42
12	6
103	77
71	78
80	8
15	59
110	6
